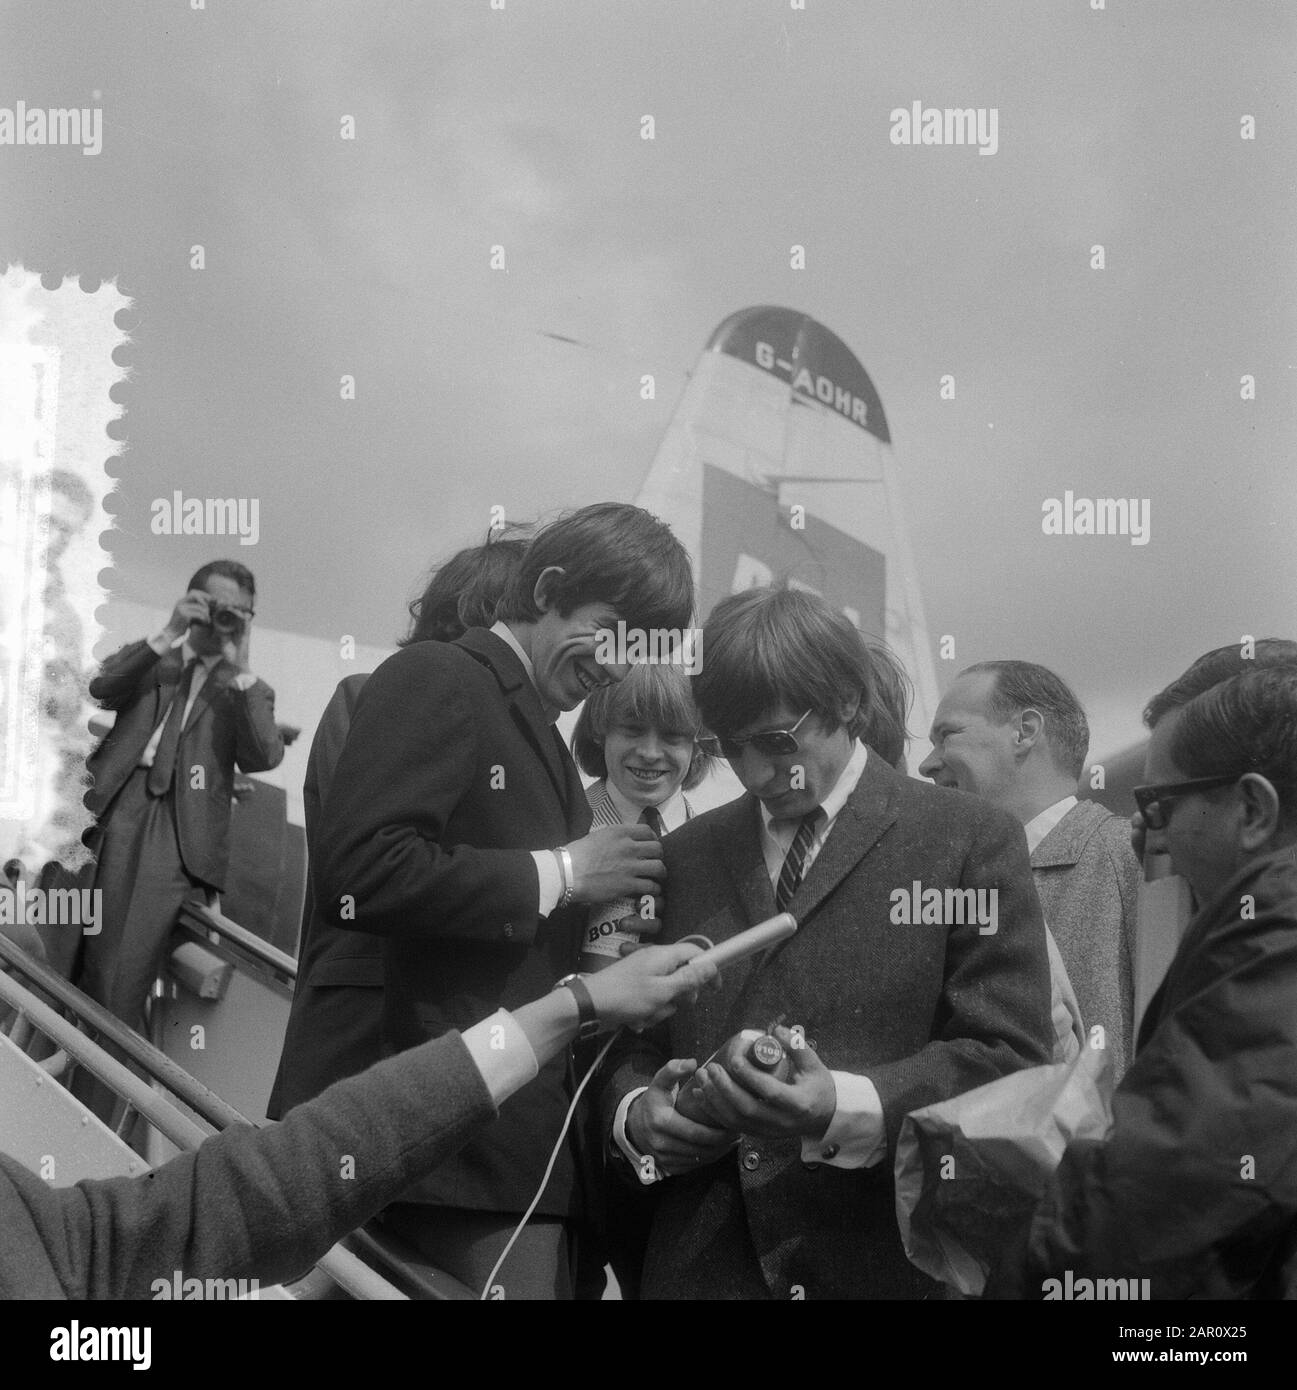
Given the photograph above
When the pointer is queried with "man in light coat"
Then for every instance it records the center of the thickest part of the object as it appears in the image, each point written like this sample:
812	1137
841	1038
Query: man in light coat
1014	733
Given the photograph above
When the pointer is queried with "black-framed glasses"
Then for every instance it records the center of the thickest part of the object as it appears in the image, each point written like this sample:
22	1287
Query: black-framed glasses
774	743
1154	800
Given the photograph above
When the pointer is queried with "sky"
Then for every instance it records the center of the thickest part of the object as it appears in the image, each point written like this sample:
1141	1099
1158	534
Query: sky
521	128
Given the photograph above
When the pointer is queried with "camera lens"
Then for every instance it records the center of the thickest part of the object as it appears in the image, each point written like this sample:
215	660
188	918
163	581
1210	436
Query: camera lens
226	620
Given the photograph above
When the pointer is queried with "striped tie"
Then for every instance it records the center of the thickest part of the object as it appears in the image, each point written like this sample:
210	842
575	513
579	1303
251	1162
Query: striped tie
791	874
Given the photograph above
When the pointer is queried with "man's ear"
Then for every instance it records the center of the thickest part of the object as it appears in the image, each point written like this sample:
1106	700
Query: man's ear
847	710
1031	725
1262	814
544	583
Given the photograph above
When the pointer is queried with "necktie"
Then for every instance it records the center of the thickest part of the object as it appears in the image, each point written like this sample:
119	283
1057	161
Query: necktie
164	760
791	874
649	816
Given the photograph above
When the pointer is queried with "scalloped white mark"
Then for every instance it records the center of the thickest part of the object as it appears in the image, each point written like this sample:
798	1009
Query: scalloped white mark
56	370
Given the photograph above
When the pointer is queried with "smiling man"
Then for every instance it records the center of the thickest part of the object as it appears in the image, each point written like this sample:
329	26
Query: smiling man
1015	733
456	827
790	1194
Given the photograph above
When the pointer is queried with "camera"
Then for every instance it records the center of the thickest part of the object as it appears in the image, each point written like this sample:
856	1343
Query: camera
226	620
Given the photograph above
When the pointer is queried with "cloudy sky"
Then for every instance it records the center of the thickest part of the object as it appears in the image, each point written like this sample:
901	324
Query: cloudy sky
521	128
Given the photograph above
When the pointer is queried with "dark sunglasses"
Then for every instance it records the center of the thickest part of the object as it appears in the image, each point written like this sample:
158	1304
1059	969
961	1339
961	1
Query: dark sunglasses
1154	800
774	743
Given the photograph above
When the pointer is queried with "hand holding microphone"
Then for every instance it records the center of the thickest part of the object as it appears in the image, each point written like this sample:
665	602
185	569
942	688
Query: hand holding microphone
647	986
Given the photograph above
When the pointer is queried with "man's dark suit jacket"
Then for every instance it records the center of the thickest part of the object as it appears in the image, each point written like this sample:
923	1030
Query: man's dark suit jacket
335	1028
225	727
450	775
925	1012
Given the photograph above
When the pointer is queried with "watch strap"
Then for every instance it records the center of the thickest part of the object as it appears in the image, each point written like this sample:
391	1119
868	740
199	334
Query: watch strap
586	1011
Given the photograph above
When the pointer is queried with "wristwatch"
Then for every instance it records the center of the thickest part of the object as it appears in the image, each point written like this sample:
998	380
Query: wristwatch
585	1006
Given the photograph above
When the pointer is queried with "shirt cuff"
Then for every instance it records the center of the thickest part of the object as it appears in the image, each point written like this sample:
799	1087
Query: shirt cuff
161	643
646	1171
856	1136
502	1054
245	680
550	879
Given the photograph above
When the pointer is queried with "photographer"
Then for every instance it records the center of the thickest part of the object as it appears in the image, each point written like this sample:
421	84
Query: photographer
187	711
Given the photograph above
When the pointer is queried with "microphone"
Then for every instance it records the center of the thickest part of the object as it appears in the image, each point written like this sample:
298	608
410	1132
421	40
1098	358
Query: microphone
747	943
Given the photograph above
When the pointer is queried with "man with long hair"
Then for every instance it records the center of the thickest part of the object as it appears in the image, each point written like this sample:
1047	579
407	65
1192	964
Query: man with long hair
335	1027
456	827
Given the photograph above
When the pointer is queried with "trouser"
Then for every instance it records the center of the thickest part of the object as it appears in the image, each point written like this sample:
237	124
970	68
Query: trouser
466	1244
143	883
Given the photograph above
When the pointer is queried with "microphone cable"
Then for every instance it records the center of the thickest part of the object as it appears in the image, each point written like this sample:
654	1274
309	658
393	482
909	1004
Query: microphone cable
549	1167
706	944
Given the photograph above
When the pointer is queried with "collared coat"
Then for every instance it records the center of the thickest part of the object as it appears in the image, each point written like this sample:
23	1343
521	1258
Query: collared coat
1194	1188
1088	880
450	776
924	1011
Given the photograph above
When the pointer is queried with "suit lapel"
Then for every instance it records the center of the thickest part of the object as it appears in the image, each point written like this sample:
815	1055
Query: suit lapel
869	810
575	806
528	714
737	842
860	824
1062	847
166	676
221	674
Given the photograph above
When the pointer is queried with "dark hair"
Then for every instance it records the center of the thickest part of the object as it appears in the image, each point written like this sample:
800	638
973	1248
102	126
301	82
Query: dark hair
1247	723
464	591
657	696
768	647
1023	685
1215	666
609	553
228	569
889	706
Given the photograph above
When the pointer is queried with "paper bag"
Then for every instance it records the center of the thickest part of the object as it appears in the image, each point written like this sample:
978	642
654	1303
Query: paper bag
970	1170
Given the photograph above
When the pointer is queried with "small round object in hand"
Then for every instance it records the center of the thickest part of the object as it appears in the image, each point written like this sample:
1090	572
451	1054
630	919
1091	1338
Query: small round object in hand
767	1051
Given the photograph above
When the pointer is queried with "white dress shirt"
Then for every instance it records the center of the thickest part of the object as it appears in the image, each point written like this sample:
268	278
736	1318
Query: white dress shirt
501	1052
549	877
674	810
1064	1010
1040	826
856	1136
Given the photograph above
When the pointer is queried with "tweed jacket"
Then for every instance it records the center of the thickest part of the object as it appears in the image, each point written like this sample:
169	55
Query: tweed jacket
924	1011
1088	880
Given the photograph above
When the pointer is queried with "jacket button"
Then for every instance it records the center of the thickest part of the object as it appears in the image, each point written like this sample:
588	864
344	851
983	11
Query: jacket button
751	1159
508	931
831	1152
